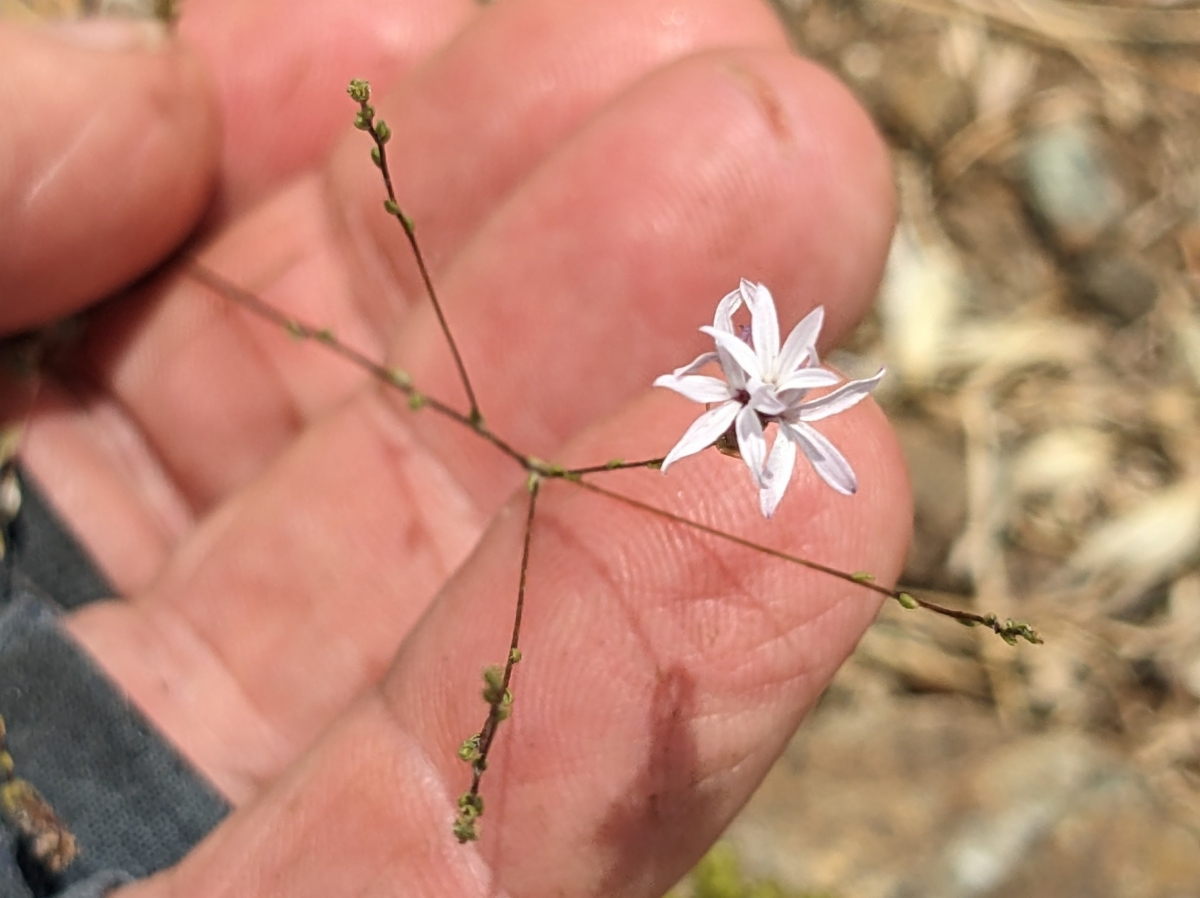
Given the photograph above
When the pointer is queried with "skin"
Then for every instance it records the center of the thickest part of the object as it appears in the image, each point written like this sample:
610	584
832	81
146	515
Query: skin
312	575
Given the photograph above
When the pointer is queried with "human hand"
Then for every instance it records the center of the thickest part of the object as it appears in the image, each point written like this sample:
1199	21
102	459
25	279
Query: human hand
315	575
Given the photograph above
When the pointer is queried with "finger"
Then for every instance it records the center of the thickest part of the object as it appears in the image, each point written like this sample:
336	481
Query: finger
109	146
514	101
663	673
280	67
234	393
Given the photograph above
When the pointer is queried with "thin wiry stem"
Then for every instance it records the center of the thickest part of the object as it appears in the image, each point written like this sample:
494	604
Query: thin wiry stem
615	465
393	377
496	692
380	133
1009	630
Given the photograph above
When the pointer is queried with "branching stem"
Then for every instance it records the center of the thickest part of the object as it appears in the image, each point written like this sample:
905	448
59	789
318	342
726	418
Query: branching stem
1008	630
392	377
496	693
498	678
380	133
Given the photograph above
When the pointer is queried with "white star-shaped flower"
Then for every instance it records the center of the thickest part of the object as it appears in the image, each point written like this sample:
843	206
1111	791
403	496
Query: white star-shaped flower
766	384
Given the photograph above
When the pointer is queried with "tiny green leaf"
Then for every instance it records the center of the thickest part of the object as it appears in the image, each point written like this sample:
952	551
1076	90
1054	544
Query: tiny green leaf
906	600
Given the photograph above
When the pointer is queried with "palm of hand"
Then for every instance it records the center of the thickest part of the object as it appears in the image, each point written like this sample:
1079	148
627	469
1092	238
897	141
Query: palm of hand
313	580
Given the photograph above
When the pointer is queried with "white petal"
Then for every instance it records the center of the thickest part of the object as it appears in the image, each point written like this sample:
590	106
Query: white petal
751	443
777	475
696	387
700	361
801	343
723	320
764	399
703	432
846	396
764	326
809	378
742	354
830	464
746	290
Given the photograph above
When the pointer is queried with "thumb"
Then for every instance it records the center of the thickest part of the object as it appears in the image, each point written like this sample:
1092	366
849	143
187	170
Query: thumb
107	157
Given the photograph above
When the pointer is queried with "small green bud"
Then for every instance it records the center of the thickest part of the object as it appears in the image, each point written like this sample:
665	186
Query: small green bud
493	684
399	377
409	224
470	804
382	132
614	463
906	600
504	711
469	750
416	401
296	329
1015	629
515	655
532	481
391	207
324	335
655	465
376	157
359	90
862	577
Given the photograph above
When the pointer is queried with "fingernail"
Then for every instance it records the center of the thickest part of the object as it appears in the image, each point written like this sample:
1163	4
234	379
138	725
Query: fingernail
112	35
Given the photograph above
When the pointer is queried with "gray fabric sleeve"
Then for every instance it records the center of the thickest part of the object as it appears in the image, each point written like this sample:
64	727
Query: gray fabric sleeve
131	801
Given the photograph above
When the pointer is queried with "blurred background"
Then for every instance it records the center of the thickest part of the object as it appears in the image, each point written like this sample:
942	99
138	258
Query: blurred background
1040	319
